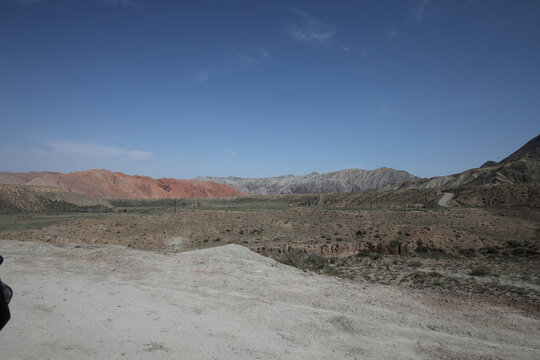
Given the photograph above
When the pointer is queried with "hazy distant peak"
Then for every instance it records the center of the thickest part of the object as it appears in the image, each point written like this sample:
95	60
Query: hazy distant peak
333	182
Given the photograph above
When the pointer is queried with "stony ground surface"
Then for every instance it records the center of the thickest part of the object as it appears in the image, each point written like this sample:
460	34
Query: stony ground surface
324	231
82	301
463	250
513	279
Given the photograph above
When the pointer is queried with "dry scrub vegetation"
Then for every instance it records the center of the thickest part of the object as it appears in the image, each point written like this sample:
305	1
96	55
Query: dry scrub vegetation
400	241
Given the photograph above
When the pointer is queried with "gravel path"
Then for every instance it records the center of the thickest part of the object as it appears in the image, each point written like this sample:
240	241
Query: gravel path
111	302
445	199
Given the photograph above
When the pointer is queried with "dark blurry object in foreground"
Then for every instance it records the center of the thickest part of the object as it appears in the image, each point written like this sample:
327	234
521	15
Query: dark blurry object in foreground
5	296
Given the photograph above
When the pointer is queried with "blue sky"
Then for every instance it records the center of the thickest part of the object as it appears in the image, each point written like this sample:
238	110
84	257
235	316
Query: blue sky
266	88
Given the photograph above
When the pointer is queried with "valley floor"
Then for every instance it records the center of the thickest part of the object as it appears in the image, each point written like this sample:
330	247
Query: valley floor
493	252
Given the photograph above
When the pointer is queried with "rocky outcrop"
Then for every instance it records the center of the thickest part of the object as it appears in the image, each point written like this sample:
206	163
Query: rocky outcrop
521	167
115	185
335	182
489	163
531	150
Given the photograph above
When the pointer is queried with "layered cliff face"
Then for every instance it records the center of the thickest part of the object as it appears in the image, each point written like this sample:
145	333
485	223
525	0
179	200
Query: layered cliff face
108	185
314	183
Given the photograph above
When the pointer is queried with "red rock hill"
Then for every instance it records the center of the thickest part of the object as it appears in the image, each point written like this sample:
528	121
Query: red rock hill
115	185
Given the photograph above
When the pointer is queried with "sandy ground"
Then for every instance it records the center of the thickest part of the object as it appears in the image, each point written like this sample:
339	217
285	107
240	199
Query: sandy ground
111	302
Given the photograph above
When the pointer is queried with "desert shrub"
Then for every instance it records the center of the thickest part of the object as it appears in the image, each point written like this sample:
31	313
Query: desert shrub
519	251
480	271
316	262
415	264
513	243
434	274
303	260
418	277
431	252
491	250
438	282
468	252
332	271
363	253
292	258
395	243
376	256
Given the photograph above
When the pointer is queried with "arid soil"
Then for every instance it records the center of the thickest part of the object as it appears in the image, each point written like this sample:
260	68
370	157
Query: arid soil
110	302
408	278
497	196
464	250
320	231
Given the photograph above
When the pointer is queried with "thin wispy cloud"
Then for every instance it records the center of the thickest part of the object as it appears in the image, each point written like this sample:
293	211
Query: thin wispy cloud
390	32
263	53
365	53
418	12
112	2
231	154
254	56
309	30
68	156
122	2
118	2
245	57
92	150
203	76
251	57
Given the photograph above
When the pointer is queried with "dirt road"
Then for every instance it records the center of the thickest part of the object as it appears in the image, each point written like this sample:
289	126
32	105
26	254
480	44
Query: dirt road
111	302
445	199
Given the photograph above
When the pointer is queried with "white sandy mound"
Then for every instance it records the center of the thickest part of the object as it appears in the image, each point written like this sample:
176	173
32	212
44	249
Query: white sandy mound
232	251
110	302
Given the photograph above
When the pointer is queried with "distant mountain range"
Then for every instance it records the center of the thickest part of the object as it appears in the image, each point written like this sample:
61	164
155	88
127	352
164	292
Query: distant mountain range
114	185
333	182
522	166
